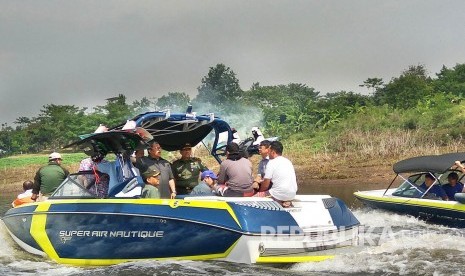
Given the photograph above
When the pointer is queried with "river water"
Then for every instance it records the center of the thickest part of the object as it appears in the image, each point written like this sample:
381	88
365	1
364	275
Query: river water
390	245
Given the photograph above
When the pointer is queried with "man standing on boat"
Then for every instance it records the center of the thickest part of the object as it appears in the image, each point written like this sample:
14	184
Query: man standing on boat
48	178
167	187
186	170
281	171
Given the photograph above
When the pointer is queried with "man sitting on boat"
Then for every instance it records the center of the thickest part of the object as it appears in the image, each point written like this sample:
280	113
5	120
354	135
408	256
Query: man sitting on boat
454	186
281	171
436	190
235	173
207	186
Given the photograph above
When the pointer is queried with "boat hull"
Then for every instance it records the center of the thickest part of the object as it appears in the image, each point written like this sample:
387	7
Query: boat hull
104	232
449	213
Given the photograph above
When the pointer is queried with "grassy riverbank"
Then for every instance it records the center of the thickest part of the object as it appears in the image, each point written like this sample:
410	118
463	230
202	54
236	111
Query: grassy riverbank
362	158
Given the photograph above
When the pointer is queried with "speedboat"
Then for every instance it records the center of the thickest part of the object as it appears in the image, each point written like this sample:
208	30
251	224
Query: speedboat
411	199
74	226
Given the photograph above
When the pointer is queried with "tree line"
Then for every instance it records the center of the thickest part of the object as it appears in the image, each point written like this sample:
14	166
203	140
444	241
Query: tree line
291	110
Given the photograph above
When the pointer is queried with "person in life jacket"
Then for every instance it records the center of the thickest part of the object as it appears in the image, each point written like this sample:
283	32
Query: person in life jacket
25	196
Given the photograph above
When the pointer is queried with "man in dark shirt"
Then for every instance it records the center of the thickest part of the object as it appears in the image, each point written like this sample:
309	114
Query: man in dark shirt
454	186
167	188
49	177
186	170
436	189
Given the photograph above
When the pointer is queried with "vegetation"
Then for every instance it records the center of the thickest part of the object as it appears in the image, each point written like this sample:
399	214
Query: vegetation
411	111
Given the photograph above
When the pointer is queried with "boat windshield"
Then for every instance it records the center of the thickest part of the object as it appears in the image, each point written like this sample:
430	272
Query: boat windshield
411	187
73	187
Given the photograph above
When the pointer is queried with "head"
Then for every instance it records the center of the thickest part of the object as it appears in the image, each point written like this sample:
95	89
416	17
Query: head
276	149
256	132
139	153
453	177
55	157
97	157
27	185
186	151
429	179
232	148
152	176
154	150
208	177
264	148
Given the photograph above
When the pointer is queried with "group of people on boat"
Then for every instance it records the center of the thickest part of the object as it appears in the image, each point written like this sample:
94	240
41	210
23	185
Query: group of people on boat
276	176
448	190
235	177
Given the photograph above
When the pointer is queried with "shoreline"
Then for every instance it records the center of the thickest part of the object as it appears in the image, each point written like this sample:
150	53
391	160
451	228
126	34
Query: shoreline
316	172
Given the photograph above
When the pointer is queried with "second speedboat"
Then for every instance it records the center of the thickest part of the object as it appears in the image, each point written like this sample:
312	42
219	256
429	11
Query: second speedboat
410	198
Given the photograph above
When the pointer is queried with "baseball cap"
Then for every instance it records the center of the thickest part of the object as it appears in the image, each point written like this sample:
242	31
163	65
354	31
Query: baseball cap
208	173
151	171
54	155
186	146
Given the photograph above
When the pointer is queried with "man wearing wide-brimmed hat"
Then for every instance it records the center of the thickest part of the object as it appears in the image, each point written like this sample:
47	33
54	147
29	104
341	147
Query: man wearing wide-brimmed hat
49	177
186	170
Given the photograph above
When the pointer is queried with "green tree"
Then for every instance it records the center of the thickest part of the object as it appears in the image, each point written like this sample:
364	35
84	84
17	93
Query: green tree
116	110
176	101
373	84
451	80
292	105
406	90
221	88
55	126
142	106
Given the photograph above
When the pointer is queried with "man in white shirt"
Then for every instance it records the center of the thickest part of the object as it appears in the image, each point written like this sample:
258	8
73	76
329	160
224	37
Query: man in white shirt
280	171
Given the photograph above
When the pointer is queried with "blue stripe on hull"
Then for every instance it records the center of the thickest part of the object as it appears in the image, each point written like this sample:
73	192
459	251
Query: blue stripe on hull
219	217
450	218
131	237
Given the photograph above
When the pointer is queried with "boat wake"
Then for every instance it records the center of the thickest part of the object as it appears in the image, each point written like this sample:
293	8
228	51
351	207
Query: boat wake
398	244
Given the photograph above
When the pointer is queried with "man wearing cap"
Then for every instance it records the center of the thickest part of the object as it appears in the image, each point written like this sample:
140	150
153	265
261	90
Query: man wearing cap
48	178
186	170
152	181
166	186
207	186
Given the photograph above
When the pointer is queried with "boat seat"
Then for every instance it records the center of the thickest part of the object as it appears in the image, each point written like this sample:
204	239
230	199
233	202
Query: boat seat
129	188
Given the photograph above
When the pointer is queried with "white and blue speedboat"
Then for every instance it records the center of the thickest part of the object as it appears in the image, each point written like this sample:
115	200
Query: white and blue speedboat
75	227
410	198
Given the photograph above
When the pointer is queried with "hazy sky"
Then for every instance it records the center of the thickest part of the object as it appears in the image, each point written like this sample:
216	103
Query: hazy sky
82	52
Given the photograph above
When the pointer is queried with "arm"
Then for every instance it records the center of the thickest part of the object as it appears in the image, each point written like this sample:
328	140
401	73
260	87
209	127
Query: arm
171	182
202	166
65	171
265	185
222	174
460	166
173	188
443	194
36	186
